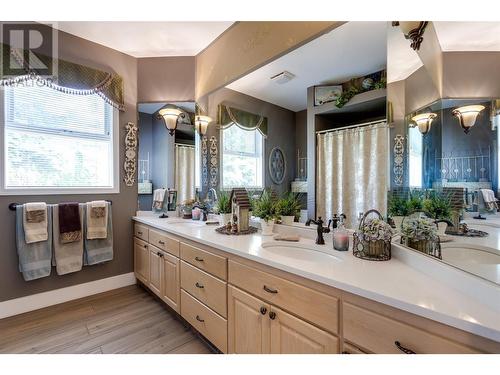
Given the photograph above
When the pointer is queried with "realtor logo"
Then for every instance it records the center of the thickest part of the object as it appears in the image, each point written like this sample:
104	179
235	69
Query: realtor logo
28	48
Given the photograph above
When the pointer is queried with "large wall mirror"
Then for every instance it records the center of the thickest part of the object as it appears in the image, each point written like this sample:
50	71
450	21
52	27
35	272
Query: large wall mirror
444	150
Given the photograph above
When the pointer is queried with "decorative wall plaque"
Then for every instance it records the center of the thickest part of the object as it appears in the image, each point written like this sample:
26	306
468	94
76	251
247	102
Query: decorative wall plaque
277	165
399	150
204	162
214	165
130	164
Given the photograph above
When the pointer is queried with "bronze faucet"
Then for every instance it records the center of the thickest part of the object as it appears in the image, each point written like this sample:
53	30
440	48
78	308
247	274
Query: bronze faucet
320	229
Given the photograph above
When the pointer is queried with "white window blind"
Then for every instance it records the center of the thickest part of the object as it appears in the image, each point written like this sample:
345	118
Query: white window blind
242	158
54	140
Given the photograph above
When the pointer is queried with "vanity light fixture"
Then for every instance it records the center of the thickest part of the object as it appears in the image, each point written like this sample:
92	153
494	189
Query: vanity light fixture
467	116
171	116
201	124
413	30
424	121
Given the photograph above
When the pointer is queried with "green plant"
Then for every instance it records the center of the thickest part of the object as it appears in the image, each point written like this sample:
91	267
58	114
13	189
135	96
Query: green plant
347	95
398	206
436	206
265	206
223	205
376	229
419	228
288	205
415	202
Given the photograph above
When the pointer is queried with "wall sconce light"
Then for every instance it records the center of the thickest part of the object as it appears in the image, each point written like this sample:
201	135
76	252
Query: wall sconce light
171	116
201	124
413	30
424	121
467	116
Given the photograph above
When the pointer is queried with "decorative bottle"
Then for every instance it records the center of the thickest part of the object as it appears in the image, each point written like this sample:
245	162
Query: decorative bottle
341	236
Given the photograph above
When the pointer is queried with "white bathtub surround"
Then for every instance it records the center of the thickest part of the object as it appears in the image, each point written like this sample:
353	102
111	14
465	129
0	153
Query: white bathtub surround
443	294
267	227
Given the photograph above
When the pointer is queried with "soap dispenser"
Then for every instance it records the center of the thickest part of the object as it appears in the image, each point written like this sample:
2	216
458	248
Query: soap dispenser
341	236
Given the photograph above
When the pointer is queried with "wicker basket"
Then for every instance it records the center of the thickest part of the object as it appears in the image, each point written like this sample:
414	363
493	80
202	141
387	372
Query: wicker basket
368	249
428	247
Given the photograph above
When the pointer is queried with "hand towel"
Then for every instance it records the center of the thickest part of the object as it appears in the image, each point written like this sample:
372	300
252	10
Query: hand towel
34	258
68	256
158	198
97	220
489	199
70	225
99	250
35	222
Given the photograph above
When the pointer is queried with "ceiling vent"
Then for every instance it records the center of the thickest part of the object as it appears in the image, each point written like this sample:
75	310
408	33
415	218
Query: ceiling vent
282	77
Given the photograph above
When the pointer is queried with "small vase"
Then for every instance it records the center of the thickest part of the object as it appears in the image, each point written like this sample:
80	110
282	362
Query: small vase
224	219
398	220
287	220
267	227
442	228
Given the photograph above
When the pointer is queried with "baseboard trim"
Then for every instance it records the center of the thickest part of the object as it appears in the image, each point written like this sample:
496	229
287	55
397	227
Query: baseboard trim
38	301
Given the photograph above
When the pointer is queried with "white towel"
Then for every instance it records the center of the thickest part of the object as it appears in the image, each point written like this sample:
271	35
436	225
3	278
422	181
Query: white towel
35	231
489	199
68	256
97	226
158	198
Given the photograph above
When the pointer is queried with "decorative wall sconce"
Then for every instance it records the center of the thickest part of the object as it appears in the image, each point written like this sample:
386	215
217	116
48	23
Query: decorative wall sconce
467	116
171	116
201	124
424	121
413	30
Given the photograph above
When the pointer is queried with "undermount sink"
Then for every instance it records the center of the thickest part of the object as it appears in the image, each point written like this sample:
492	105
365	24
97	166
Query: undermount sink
298	252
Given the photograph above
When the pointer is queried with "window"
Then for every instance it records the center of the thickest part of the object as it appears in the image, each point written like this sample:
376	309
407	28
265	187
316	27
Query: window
242	158
58	143
415	142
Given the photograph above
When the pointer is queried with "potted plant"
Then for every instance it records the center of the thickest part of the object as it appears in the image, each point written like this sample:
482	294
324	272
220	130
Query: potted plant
223	208
376	234
398	209
288	208
420	233
265	209
415	203
437	208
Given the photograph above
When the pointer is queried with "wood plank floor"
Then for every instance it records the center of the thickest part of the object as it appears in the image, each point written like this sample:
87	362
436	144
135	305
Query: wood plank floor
126	320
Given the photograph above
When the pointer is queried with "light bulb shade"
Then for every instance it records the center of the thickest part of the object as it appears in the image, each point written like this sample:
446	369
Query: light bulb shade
201	124
424	121
467	115
170	116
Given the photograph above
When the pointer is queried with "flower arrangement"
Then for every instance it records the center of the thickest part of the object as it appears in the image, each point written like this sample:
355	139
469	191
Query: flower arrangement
420	229
376	229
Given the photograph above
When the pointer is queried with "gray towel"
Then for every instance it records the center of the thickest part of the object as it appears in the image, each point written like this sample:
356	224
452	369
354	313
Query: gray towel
68	256
34	258
99	250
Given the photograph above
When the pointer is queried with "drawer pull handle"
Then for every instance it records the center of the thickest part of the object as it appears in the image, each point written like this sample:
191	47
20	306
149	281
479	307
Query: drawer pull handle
263	310
159	254
139	233
145	246
198	259
344	352
272	315
161	242
273	291
403	349
199	319
198	285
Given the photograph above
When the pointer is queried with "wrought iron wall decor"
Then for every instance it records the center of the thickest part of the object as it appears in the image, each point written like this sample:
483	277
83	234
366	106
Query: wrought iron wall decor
204	161
214	165
399	150
277	165
130	164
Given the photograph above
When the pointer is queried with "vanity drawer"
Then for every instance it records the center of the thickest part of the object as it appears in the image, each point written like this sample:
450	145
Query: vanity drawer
208	289
379	334
315	307
141	231
204	260
164	242
205	321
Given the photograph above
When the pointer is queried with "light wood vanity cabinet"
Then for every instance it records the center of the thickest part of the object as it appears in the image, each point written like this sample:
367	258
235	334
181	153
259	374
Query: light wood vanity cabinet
155	270
170	281
141	260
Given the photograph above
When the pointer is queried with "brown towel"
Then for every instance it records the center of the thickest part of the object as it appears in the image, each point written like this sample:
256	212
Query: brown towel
37	216
70	225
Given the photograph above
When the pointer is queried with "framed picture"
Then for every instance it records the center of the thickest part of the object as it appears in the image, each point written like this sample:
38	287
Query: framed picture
326	94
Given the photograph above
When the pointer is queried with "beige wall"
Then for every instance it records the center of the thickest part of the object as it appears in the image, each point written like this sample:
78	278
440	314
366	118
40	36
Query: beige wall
248	45
166	79
419	90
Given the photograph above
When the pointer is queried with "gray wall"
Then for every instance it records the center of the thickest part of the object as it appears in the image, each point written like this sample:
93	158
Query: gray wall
146	145
124	204
163	156
301	132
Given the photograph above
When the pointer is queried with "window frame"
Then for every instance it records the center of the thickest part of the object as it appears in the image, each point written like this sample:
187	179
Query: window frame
115	149
263	161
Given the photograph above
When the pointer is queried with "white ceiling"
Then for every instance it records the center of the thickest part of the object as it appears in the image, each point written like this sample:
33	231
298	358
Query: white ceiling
453	36
351	50
149	39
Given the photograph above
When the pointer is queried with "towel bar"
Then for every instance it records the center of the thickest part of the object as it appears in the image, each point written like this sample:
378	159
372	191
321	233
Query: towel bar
13	206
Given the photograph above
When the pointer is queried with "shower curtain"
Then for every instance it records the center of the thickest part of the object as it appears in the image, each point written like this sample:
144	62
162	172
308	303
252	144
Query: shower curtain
184	172
352	172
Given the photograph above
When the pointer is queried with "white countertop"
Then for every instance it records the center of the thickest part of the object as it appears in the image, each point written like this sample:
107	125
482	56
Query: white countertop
394	282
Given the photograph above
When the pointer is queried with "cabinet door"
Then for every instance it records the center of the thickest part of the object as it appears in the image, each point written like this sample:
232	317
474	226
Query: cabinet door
248	322
170	281
291	335
141	261
155	257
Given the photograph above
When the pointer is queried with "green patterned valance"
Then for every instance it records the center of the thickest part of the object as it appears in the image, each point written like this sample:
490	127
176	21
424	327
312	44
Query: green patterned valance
229	116
69	77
